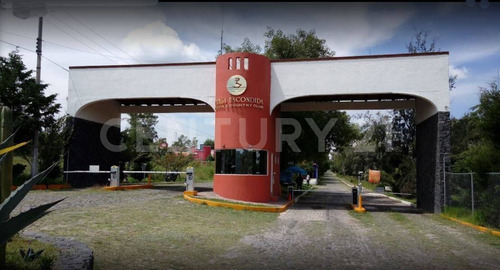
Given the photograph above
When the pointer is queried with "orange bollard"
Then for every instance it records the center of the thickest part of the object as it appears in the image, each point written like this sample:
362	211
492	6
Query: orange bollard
359	208
149	179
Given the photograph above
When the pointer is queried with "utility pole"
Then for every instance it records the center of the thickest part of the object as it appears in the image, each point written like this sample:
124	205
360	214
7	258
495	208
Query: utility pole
34	163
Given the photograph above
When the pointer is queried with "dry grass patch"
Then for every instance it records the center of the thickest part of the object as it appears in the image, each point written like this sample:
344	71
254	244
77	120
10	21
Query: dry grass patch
156	234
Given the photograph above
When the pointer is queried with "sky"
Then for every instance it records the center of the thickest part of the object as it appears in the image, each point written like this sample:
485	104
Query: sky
191	32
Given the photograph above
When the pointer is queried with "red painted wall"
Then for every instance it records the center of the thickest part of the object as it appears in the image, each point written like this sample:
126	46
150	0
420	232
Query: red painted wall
244	122
201	154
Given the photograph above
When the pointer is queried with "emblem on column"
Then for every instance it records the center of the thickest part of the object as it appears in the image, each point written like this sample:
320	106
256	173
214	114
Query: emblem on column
236	85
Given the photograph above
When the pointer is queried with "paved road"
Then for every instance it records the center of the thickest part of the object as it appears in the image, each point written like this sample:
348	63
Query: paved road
319	232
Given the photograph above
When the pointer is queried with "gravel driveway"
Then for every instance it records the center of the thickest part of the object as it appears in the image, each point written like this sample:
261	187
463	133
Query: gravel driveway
320	233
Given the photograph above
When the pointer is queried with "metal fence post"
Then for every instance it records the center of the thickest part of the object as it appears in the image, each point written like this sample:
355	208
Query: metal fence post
472	191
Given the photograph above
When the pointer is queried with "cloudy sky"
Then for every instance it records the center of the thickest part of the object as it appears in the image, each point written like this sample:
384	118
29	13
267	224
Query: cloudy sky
186	32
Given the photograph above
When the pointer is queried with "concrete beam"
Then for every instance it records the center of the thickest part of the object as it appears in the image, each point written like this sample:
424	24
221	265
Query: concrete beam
167	109
356	105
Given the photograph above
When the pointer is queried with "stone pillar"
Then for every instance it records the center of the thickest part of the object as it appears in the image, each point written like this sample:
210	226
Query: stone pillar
433	143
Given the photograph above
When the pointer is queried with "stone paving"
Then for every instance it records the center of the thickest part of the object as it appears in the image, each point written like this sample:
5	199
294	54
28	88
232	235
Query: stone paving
73	255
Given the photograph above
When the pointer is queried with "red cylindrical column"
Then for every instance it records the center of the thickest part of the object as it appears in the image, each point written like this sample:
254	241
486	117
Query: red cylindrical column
245	129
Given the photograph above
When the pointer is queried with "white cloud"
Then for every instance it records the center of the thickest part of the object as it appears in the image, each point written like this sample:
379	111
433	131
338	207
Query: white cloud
466	53
460	72
360	27
159	41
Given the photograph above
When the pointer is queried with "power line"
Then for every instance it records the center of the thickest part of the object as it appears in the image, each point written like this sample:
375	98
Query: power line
77	39
99	35
48	59
199	132
76	30
80	50
17	35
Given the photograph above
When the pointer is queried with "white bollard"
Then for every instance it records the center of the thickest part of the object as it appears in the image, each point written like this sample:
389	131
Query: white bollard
189	179
115	176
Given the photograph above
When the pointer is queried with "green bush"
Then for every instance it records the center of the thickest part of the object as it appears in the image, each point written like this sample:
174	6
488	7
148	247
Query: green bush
203	171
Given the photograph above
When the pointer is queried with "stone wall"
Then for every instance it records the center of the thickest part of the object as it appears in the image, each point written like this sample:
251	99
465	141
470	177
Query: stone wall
86	148
433	144
73	255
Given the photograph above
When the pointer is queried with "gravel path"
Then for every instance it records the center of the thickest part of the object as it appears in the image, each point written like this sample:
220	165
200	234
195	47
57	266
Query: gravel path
320	233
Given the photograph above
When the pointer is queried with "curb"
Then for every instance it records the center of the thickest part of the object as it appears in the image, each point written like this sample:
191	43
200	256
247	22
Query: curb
239	206
298	197
479	228
44	187
347	184
129	187
401	201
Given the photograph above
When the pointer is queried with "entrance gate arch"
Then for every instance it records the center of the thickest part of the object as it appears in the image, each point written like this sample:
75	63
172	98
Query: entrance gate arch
251	87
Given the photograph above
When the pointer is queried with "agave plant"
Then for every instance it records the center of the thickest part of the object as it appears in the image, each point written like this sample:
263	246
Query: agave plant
10	226
30	255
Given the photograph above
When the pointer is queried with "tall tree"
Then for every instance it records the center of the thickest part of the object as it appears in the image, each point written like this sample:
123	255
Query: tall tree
488	112
246	46
53	141
209	142
32	110
139	139
303	44
182	144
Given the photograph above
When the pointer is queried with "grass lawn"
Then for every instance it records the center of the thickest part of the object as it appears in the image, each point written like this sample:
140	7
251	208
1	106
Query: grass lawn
156	234
465	214
15	261
22	161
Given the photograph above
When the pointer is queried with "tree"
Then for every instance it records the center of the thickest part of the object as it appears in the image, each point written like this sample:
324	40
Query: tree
305	44
340	136
482	143
182	144
170	158
464	133
418	44
246	46
210	143
32	110
488	112
139	139
53	141
481	154
194	143
292	46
